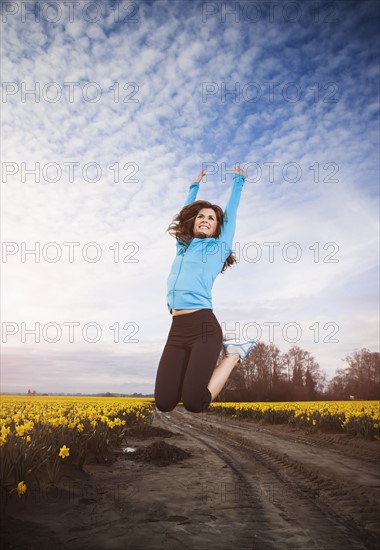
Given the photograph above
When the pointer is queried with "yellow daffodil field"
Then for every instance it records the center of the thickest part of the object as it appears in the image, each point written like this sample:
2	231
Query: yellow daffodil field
360	418
39	433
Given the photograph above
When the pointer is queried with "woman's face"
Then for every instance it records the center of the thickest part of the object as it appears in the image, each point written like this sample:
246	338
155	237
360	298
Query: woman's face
205	222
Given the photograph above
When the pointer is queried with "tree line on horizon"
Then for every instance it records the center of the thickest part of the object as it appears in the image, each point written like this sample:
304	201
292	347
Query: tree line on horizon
268	375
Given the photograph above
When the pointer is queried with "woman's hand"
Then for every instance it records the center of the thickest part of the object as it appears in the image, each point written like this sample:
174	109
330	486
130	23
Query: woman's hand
238	170
200	176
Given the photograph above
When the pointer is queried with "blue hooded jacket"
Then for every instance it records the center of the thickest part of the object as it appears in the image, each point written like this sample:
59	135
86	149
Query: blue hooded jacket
198	263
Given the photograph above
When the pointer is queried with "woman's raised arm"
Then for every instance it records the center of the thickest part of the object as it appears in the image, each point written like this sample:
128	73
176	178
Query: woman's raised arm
193	189
200	176
230	212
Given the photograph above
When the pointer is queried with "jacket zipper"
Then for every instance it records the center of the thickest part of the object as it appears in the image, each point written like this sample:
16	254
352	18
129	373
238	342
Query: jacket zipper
179	271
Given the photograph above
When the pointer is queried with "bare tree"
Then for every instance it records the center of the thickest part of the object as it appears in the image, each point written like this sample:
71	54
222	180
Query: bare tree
360	379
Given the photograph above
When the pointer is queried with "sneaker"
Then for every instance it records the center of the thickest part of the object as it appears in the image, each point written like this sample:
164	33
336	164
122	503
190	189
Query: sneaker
236	347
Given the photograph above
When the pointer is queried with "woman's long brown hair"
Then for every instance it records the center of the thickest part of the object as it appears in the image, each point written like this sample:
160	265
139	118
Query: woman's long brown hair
182	225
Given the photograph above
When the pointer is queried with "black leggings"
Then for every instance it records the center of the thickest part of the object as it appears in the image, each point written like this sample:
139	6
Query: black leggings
188	360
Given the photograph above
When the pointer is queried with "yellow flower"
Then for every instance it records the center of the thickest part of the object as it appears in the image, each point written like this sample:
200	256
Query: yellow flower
21	488
64	451
20	430
5	431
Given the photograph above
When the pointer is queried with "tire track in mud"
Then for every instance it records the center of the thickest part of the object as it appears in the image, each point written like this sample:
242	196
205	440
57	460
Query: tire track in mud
286	504
247	498
341	447
356	502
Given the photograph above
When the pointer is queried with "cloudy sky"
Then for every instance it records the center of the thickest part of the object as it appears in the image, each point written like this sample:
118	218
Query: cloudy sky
109	112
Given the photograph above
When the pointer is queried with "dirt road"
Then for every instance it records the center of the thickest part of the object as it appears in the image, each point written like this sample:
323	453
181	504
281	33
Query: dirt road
242	486
286	490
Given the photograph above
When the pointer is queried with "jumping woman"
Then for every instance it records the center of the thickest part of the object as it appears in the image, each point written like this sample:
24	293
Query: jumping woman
187	369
